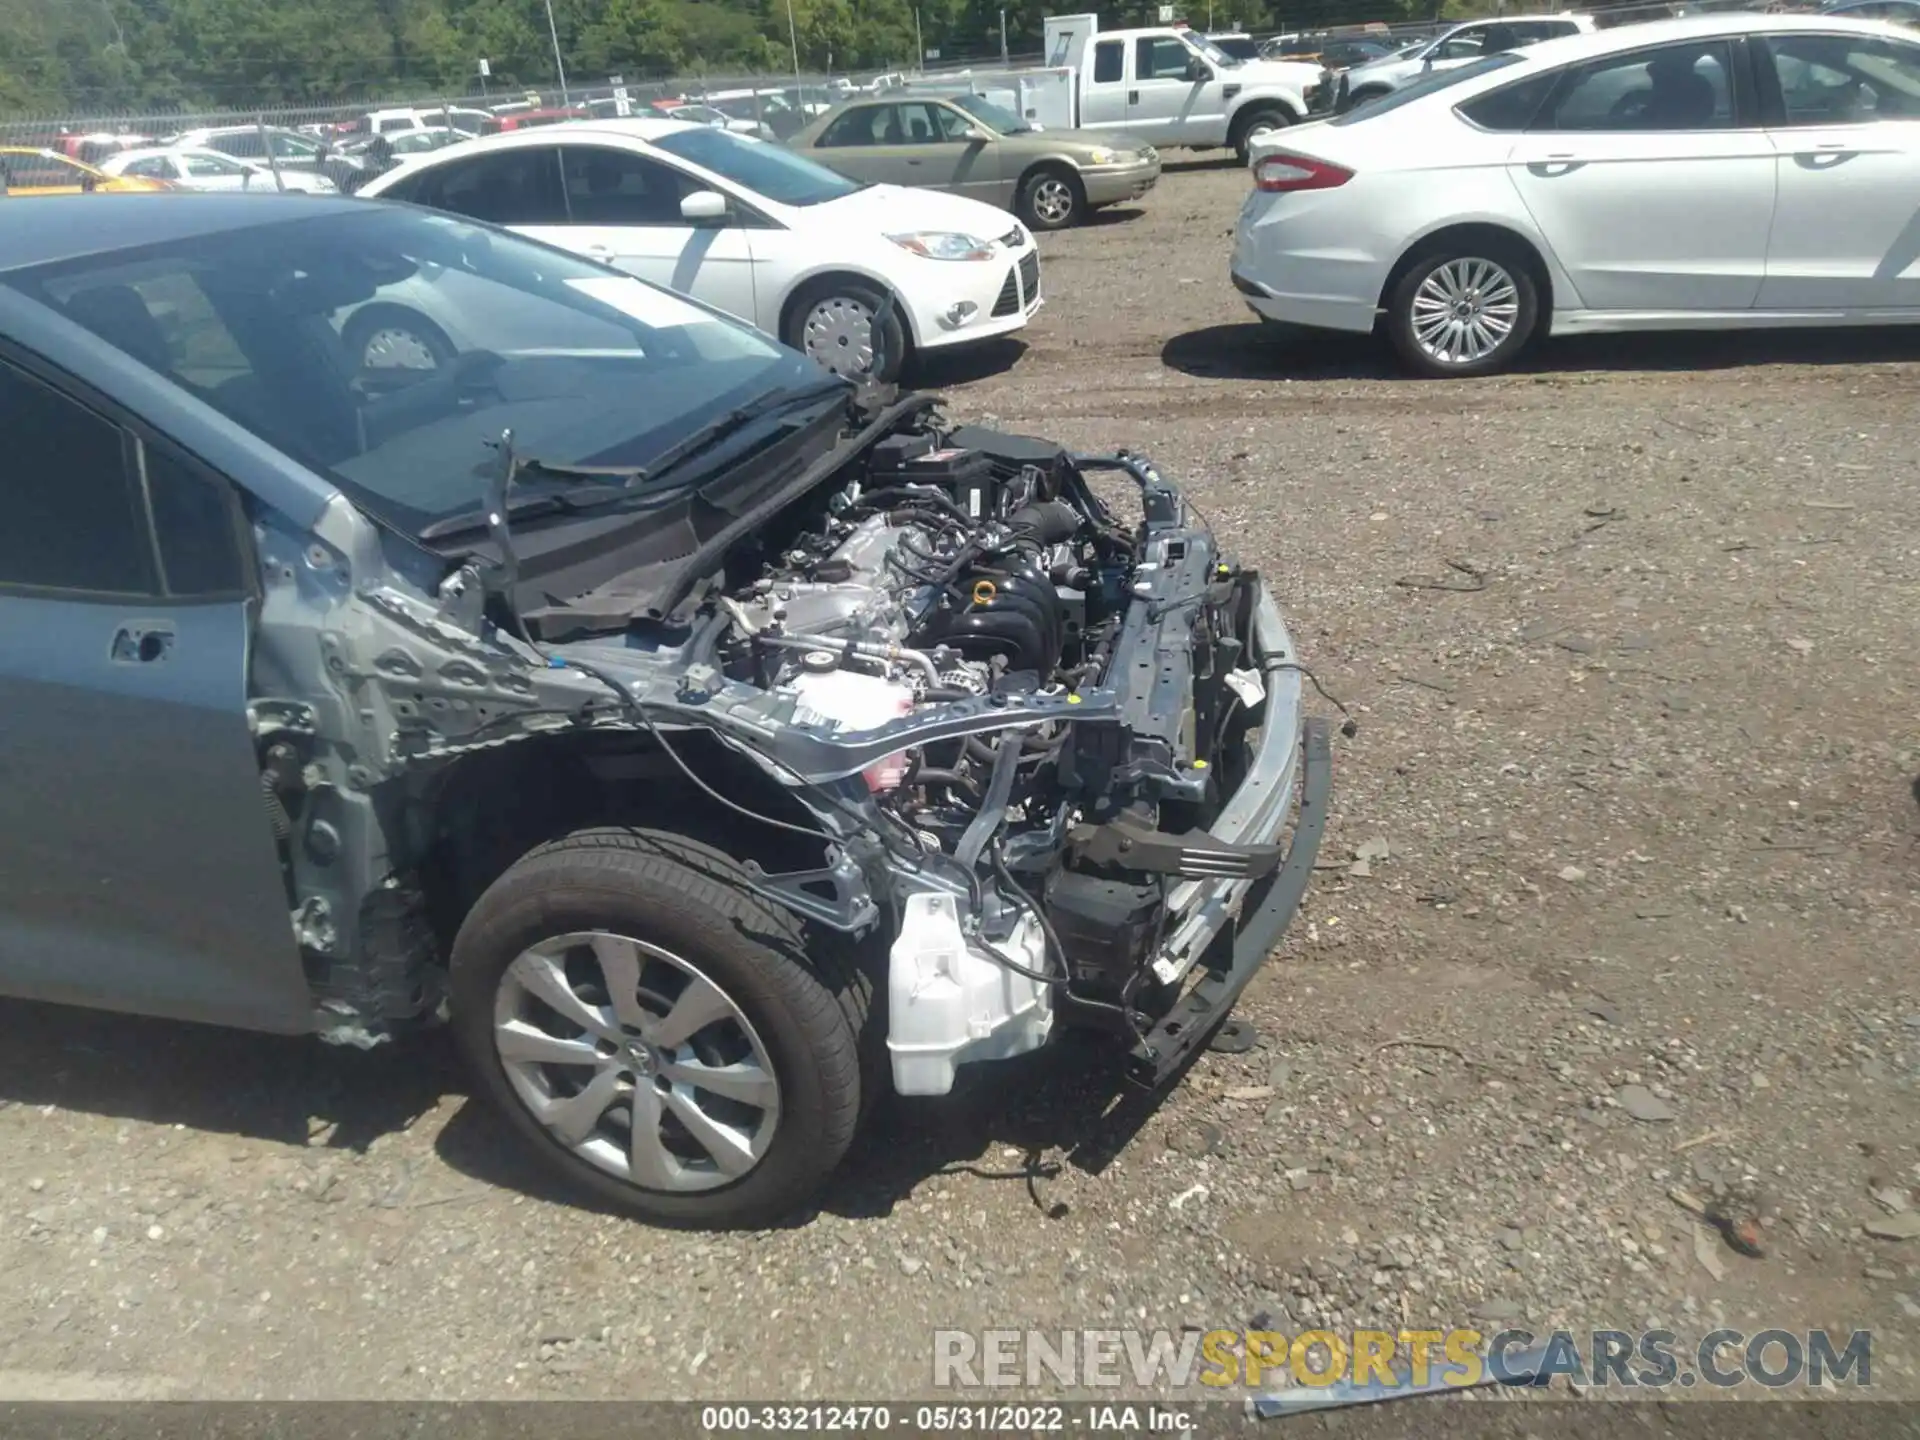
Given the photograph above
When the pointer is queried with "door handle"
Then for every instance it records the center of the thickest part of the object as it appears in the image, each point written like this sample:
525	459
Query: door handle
142	642
1133	97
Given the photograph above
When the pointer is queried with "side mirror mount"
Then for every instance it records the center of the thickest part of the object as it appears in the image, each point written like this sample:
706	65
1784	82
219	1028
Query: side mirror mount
1199	71
704	207
87	184
977	135
1427	64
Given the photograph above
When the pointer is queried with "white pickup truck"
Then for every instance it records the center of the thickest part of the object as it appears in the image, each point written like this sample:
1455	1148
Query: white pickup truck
1167	85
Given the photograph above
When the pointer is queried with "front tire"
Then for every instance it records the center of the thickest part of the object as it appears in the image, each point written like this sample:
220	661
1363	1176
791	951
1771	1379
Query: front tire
1462	311
654	1032
839	323
1051	198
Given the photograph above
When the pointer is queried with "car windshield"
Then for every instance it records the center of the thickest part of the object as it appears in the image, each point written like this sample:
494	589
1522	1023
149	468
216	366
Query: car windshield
1426	85
764	168
387	349
995	117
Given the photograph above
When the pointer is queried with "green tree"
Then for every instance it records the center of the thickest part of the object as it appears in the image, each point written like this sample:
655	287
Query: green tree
620	37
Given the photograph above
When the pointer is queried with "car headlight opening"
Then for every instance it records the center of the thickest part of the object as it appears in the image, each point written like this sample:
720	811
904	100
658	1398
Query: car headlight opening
944	245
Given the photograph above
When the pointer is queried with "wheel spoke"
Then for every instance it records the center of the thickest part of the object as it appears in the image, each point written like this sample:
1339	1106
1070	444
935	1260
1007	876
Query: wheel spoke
543	976
743	1080
520	1042
573	1118
648	1162
732	1151
620	965
698	1006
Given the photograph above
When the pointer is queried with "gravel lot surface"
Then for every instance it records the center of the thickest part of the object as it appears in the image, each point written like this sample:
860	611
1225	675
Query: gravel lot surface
1618	903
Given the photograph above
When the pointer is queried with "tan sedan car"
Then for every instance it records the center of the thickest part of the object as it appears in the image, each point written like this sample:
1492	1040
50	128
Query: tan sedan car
970	146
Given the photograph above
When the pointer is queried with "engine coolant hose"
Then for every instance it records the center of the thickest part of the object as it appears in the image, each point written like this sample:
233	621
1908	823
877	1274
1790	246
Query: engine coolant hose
993	810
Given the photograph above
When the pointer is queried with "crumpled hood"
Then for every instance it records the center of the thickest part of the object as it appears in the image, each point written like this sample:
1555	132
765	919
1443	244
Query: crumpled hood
892	209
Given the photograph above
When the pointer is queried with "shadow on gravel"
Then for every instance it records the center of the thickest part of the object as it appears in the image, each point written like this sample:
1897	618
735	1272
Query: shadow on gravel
1206	160
1257	351
231	1082
965	365
1108	215
1071	1100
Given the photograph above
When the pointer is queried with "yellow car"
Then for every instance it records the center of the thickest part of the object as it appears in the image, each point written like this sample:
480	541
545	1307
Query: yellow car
26	170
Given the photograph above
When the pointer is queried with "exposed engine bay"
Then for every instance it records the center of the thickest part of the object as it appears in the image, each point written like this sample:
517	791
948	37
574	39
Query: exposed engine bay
975	572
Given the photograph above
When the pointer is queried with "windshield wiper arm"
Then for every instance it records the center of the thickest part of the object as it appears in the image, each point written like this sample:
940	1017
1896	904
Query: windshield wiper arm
738	419
605	484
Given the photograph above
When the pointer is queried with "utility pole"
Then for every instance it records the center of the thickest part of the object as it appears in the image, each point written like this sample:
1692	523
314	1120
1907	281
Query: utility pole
559	67
919	48
1003	37
793	39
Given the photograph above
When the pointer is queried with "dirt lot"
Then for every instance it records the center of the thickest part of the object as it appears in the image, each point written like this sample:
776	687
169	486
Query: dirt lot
1630	638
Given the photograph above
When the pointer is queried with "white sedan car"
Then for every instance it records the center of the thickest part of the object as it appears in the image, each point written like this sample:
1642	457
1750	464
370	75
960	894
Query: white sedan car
195	169
858	276
1721	172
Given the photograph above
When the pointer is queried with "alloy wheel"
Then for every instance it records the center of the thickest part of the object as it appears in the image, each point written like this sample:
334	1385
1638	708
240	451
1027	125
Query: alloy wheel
636	1061
1464	310
1052	200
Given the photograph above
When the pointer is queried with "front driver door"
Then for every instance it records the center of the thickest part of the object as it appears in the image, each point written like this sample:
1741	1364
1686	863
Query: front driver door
1164	105
138	869
1650	182
624	208
1846	124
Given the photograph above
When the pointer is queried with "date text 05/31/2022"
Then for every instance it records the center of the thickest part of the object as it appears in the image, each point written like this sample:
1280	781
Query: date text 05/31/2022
1132	1419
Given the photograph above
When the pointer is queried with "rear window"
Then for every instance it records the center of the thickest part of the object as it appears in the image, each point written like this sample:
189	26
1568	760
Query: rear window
1426	85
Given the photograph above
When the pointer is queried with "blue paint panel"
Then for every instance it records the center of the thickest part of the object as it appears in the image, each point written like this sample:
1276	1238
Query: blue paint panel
137	867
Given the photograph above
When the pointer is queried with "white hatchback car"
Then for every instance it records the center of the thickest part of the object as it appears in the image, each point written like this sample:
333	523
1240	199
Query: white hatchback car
1722	172
858	276
191	169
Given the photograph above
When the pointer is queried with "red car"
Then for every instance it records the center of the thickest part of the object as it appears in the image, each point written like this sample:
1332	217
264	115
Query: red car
522	119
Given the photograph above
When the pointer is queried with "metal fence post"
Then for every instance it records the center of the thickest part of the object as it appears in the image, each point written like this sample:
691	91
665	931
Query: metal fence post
266	144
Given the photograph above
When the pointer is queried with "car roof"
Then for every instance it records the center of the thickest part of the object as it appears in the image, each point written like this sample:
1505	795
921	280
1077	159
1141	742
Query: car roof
39	150
151	152
64	227
1622	38
584	130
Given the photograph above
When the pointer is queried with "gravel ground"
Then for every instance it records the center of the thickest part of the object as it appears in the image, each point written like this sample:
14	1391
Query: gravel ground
1617	903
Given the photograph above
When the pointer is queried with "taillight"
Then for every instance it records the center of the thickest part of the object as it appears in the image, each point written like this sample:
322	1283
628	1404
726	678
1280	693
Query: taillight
1281	173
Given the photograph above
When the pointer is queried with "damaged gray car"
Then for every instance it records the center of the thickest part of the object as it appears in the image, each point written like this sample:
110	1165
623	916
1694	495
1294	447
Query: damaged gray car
712	745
